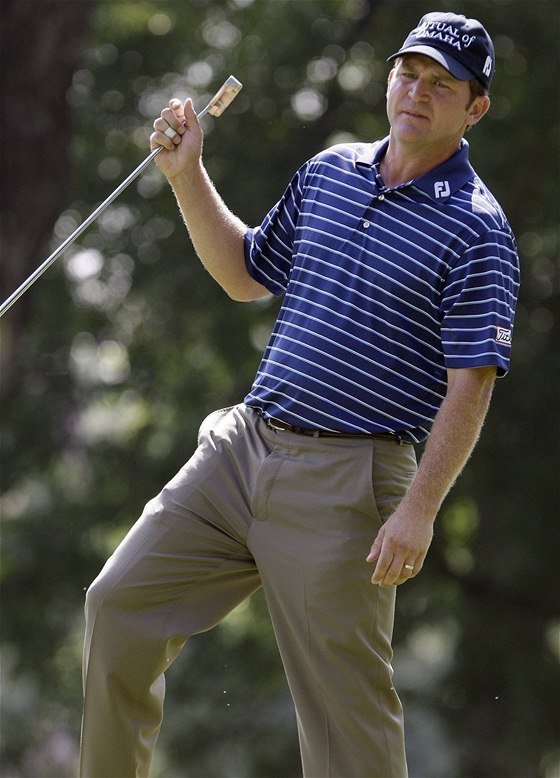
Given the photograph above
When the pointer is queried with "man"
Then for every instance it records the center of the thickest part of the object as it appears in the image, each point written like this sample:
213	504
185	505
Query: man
399	274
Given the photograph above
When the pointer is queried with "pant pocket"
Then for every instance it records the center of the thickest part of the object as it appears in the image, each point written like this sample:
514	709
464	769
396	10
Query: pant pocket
393	470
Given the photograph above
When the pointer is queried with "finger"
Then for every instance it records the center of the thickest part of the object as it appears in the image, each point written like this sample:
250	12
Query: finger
178	109
410	570
391	571
375	549
159	138
395	572
407	573
381	569
164	135
190	117
403	579
173	120
169	126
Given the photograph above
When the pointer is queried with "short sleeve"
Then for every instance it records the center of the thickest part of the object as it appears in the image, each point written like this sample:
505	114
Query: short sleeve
269	248
478	303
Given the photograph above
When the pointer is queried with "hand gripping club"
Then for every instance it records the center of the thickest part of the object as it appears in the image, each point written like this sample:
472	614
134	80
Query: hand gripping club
217	105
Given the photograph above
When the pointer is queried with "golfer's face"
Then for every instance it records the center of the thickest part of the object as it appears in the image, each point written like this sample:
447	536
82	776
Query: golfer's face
427	106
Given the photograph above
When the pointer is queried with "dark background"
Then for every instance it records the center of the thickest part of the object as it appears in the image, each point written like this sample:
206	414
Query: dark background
112	359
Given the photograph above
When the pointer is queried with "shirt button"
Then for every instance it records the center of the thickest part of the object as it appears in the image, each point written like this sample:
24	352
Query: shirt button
381	197
366	225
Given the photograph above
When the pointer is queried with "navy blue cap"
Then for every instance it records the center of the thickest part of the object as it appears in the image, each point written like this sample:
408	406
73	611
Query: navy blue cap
462	46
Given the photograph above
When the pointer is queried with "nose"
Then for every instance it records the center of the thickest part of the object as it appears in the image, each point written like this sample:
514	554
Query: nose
417	90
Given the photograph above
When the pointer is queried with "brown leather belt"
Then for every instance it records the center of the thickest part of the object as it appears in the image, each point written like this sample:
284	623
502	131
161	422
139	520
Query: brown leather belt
282	426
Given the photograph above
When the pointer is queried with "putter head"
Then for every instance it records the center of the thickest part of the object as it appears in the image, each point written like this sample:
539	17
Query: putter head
223	97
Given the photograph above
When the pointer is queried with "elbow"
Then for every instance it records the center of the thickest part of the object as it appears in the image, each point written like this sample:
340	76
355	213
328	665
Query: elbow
247	293
238	297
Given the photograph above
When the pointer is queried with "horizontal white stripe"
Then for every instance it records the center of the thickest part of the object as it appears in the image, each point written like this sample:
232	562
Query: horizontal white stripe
354	401
365	343
384	307
417	255
344	363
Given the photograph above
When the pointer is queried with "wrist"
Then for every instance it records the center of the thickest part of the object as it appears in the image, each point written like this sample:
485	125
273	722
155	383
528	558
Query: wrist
420	504
188	178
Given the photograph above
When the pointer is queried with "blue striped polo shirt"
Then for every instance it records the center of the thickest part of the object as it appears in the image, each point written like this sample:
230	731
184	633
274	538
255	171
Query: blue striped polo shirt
384	289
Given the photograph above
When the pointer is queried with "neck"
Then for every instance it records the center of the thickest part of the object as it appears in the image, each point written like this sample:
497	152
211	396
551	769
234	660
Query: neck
401	164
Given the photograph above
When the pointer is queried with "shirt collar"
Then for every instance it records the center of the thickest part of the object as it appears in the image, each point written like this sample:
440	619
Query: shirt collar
441	182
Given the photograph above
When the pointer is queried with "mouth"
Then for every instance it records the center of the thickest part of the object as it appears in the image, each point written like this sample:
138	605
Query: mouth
414	115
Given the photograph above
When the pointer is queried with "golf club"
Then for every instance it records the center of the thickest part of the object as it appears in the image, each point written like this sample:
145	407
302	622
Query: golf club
217	105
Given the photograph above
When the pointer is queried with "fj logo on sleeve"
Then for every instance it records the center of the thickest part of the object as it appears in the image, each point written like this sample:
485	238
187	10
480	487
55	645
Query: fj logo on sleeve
441	189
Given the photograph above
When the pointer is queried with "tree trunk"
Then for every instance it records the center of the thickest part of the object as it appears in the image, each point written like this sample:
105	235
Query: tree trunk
41	47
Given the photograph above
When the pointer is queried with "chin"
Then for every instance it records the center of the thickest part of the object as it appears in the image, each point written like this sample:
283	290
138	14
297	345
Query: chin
407	132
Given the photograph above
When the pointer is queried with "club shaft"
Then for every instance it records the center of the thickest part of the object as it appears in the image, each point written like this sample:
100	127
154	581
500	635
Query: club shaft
77	232
229	88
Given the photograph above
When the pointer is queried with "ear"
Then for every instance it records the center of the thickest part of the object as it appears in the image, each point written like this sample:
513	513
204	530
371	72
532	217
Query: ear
390	77
477	109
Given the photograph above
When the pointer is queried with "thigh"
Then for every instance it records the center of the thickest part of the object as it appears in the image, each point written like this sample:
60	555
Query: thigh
318	516
324	505
187	555
321	507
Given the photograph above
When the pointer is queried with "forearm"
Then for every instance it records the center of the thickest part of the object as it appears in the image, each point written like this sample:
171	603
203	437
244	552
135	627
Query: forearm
454	435
402	543
216	233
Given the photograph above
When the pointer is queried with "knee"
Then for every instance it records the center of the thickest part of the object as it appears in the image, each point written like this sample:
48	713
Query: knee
109	617
106	594
95	596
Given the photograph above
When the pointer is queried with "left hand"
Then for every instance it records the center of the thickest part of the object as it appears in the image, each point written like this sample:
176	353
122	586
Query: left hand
182	151
403	540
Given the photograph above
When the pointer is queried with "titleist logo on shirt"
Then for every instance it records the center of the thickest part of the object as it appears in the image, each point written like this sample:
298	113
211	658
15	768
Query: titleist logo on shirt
503	335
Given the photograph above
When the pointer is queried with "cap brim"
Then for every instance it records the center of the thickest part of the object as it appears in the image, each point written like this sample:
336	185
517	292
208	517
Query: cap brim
449	63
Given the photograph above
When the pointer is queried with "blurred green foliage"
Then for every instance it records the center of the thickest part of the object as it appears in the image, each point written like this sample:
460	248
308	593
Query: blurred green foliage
125	347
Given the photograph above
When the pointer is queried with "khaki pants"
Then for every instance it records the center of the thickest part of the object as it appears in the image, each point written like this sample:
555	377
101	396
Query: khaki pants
253	507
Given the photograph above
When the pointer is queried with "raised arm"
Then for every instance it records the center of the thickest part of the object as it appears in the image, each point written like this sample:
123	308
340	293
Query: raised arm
216	233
